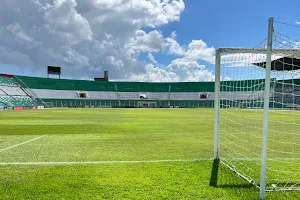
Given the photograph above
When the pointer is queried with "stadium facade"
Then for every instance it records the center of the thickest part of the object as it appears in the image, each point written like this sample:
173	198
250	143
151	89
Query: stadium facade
17	92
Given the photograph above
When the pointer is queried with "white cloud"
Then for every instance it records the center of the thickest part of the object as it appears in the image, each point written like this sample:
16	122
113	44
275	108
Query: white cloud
64	21
180	69
150	13
72	57
108	36
198	50
189	70
173	47
148	42
112	61
297	22
42	6
152	59
19	32
155	74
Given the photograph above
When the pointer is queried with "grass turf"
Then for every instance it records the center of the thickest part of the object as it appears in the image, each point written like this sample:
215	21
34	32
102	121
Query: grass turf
75	135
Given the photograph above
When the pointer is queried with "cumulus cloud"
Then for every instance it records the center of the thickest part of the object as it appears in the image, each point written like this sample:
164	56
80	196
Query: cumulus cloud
87	37
173	47
151	42
198	50
112	61
180	69
65	22
152	59
18	31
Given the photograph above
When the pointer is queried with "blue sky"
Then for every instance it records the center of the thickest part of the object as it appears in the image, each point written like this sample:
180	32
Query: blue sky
126	36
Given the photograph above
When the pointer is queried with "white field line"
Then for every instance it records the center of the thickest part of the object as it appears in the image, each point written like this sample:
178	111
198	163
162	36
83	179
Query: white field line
16	145
258	159
131	161
103	162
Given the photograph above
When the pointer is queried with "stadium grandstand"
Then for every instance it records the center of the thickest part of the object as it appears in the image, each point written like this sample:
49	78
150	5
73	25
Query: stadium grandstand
18	92
14	95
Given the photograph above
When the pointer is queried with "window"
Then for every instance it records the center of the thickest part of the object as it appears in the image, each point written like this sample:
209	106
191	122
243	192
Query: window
203	95
143	96
82	94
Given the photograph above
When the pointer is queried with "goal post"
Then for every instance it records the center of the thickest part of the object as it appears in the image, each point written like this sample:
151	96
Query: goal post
257	122
146	104
266	111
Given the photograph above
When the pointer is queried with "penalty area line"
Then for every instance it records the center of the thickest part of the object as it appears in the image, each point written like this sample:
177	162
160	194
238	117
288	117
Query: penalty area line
103	162
16	145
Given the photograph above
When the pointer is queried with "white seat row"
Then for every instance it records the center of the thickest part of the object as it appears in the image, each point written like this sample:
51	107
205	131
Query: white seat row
242	95
71	94
101	95
14	91
185	96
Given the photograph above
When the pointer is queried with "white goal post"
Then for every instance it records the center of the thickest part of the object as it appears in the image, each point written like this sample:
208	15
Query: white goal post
146	104
257	122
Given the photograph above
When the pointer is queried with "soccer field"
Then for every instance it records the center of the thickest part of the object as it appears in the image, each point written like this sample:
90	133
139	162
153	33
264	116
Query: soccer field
114	154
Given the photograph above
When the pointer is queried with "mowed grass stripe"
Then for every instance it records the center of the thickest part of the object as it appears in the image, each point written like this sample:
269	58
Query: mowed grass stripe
110	147
22	143
103	121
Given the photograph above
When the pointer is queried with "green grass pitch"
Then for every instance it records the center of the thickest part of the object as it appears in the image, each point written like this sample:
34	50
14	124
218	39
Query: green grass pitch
84	154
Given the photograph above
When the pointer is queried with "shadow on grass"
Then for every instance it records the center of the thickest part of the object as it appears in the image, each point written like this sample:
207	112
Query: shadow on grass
236	186
214	173
229	179
226	178
223	178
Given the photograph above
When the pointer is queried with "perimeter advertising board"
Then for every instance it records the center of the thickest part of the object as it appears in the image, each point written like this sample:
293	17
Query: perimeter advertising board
19	108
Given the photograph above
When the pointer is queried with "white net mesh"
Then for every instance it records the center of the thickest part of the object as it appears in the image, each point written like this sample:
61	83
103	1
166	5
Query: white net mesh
241	115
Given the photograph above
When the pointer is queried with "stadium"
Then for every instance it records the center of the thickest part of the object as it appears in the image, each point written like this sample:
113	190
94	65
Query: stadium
22	92
79	139
79	93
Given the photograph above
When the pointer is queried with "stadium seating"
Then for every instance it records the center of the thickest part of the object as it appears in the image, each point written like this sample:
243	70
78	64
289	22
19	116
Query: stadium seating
185	96
103	95
84	85
157	95
129	96
64	92
6	81
12	90
11	94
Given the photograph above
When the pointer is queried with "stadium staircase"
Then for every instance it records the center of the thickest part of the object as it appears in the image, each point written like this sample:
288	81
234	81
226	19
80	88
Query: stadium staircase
28	91
12	94
118	95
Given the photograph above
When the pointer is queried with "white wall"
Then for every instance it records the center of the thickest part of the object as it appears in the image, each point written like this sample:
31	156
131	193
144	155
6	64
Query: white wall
98	95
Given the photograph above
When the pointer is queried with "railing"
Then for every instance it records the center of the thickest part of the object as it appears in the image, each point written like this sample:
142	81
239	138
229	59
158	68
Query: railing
118	94
28	91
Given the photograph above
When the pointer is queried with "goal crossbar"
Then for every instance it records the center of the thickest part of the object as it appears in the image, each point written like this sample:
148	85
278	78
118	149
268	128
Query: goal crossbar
292	52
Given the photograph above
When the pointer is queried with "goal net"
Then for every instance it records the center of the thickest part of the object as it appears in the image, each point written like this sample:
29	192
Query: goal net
247	99
147	104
